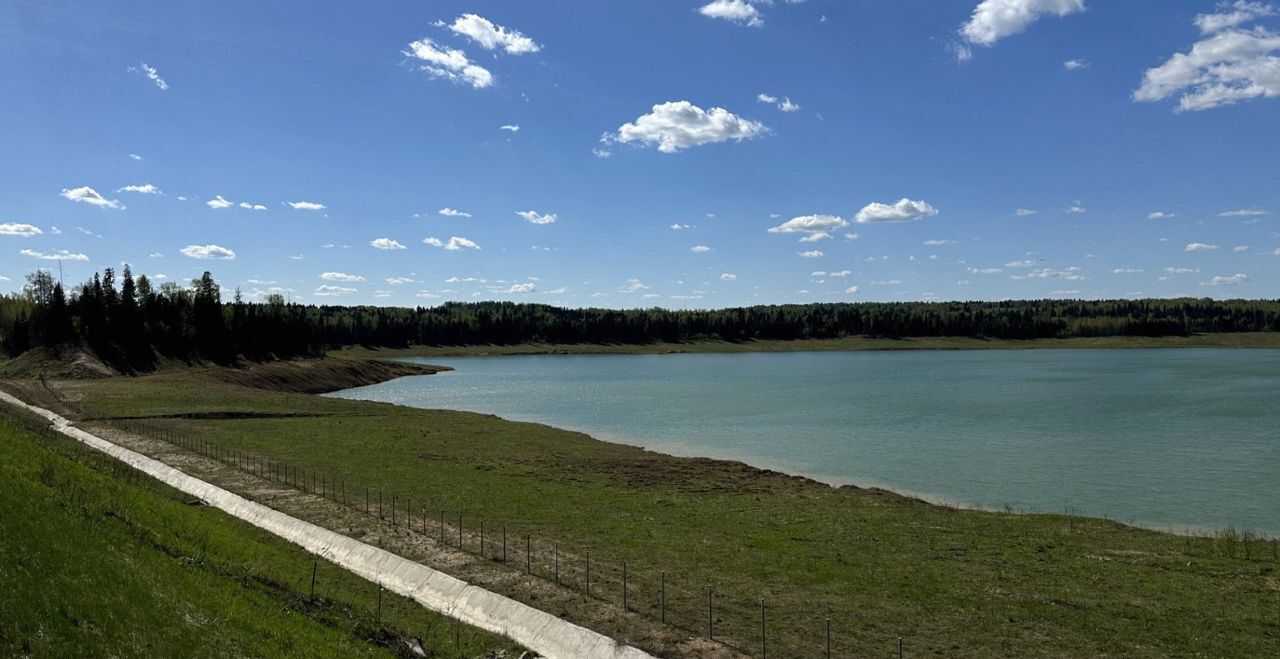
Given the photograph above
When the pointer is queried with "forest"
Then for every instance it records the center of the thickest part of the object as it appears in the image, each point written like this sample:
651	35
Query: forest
132	324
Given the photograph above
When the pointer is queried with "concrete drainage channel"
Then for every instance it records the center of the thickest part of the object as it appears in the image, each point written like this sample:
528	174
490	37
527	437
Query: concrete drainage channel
537	630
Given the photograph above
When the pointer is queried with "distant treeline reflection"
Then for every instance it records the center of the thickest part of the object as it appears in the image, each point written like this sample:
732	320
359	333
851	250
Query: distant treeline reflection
133	324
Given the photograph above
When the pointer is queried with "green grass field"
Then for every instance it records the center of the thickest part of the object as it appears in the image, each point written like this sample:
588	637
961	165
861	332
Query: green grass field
951	582
96	560
1223	340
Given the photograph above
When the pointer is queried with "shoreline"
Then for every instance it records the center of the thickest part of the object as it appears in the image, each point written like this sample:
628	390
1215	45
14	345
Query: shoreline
764	466
1238	340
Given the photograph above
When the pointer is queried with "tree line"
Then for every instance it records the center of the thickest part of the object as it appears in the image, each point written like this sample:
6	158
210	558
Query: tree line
133	324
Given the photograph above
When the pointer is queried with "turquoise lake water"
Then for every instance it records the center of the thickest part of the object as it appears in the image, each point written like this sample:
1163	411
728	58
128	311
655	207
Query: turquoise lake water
1179	439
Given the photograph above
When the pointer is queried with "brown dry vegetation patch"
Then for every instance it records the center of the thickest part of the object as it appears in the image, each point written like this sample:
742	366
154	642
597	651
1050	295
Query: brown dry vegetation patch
317	376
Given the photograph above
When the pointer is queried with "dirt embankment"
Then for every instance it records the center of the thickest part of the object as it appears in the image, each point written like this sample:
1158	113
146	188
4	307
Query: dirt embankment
318	376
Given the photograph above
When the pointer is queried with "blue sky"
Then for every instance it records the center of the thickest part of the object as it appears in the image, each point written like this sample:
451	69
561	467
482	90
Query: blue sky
638	153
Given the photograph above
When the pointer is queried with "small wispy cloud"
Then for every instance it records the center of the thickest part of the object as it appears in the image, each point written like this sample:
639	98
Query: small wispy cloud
151	74
145	188
60	255
341	276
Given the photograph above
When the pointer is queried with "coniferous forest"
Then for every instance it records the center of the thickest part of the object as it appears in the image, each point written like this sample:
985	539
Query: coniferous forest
132	324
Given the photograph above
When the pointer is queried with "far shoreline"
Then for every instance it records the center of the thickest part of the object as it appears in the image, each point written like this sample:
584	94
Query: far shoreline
1241	340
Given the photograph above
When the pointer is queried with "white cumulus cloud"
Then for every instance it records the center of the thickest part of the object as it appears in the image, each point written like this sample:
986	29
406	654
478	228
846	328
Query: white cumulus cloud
734	11
993	20
305	205
218	202
528	287
252	207
811	226
1228	65
534	217
811	254
1232	14
1200	247
385	243
456	243
699	249
19	229
489	36
728	276
677	125
208	252
904	210
449	63
452	212
88	195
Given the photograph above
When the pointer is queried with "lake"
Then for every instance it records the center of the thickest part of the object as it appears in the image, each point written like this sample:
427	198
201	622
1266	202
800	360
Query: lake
1178	439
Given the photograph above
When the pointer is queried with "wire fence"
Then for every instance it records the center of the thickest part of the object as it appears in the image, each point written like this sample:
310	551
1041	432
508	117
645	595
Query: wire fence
701	608
704	608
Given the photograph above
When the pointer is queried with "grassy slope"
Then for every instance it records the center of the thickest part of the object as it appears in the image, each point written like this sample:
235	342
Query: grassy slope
958	583
1225	340
97	563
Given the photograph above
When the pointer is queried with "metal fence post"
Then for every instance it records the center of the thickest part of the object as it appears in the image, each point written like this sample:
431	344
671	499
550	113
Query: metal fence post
624	587
662	596
711	629
764	647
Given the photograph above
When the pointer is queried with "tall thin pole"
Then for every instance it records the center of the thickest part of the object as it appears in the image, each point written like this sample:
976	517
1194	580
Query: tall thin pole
764	647
662	596
710	621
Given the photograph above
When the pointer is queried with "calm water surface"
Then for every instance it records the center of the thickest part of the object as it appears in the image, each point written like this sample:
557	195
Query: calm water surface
1183	438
